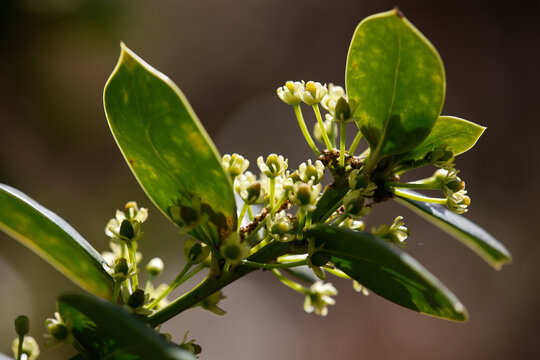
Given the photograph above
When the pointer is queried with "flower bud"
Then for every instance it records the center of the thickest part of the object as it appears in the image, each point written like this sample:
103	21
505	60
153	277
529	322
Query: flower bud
290	93
234	164
121	267
273	166
307	172
126	230
314	93
136	299
342	110
354	204
22	325
155	266
58	331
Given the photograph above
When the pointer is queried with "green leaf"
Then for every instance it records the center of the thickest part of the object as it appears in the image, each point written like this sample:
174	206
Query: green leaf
470	234
105	330
457	134
163	142
387	271
397	78
53	239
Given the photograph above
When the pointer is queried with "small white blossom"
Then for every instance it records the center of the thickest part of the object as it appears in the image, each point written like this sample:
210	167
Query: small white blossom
291	92
319	298
273	166
249	189
396	233
58	331
354	204
233	250
234	164
310	172
30	348
280	227
313	93
330	99
305	194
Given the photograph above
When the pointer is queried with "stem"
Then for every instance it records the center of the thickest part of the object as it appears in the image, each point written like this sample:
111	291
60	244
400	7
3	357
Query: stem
321	125
242	213
274	266
171	287
291	284
415	186
340	219
419	197
19	352
305	132
250	213
355	143
148	283
212	284
272	192
342	138
255	231
279	203
332	134
260	245
116	291
133	261
301	222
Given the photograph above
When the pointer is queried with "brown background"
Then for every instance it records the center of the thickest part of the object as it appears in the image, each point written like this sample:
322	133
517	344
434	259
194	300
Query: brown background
229	57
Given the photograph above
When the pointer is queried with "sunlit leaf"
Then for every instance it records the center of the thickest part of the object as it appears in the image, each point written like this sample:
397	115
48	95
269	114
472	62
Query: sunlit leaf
53	239
163	142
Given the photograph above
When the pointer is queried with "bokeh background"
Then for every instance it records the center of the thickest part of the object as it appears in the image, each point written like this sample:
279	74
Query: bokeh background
229	57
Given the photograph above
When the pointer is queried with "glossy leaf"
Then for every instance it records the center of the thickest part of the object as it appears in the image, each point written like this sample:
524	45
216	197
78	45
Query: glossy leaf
165	145
105	330
470	234
456	134
53	239
387	271
397	79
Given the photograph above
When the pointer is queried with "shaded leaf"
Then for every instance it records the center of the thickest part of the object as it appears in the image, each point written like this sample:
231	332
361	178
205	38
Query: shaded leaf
163	142
397	79
457	134
470	234
106	330
387	271
53	239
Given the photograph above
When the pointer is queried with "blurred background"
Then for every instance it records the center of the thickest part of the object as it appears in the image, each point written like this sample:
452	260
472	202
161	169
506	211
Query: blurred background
229	57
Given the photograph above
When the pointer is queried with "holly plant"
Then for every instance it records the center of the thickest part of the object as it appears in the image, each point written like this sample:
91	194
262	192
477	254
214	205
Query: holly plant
288	221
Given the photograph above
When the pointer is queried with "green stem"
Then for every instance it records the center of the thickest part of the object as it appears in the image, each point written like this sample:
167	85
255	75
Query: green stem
250	213
19	352
342	138
260	245
301	223
340	219
305	132
332	133
321	126
171	287
421	198
148	283
291	284
242	213
255	231
274	266
133	260
415	186
212	284
117	285
272	192
355	143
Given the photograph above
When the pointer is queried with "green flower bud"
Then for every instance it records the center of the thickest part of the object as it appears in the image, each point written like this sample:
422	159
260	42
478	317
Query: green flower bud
136	299
354	204
307	172
320	258
22	325
342	110
195	252
211	302
273	166
121	267
58	331
314	93
290	93
155	266
126	230
234	164
233	250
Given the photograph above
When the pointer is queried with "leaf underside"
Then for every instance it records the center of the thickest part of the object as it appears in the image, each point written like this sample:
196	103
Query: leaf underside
53	239
387	271
470	234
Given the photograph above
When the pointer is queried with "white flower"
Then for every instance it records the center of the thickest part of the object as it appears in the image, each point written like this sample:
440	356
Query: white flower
319	298
155	266
134	216
360	288
314	93
291	92
30	348
233	250
249	189
330	99
273	166
310	172
59	331
396	233
305	194
354	204
280	227
234	164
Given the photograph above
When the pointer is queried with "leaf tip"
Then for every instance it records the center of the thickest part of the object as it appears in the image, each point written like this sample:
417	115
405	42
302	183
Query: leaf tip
398	12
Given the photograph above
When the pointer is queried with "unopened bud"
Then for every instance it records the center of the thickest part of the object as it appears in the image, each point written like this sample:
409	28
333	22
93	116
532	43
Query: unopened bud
126	230
136	299
154	266
22	325
121	266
